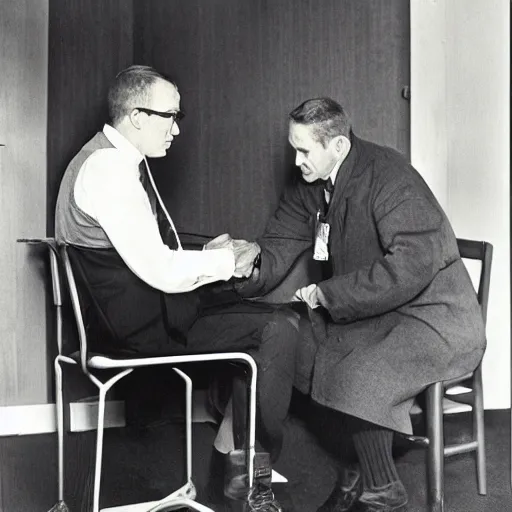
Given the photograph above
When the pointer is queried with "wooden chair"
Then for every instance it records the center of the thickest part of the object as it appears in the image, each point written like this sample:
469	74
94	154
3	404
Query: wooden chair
436	394
306	271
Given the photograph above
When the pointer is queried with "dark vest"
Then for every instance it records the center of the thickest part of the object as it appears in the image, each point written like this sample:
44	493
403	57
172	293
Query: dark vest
123	314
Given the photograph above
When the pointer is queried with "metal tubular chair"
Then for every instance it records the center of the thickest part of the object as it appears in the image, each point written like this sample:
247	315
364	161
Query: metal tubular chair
434	441
184	496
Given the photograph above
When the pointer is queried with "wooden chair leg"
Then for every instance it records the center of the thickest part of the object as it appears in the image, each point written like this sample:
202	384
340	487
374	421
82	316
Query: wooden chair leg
479	430
435	462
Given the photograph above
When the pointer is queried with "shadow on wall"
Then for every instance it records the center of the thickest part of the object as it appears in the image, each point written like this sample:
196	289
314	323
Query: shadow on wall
207	191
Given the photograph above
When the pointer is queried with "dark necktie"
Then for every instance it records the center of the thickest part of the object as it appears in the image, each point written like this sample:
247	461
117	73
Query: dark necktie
146	183
165	228
328	192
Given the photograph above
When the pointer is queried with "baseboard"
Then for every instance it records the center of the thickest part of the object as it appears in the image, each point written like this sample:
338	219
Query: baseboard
83	415
20	420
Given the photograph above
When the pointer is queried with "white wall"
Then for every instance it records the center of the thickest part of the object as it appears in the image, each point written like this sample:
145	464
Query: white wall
429	144
460	108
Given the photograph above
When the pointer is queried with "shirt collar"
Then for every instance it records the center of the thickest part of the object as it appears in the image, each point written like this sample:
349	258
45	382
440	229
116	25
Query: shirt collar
122	143
334	171
339	163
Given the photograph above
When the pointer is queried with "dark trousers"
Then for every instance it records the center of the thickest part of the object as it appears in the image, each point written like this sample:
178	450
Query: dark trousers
270	336
127	317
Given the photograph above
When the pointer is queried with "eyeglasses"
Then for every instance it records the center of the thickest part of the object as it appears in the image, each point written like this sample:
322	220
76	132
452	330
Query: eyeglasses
176	116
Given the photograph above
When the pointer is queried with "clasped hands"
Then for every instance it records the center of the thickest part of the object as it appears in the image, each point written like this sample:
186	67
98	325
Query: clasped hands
245	253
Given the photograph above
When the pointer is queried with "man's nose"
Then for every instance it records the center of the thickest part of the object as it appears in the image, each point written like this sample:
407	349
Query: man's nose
299	159
175	130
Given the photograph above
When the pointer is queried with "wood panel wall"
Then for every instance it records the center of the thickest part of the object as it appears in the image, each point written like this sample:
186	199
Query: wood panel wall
23	91
89	42
58	58
241	67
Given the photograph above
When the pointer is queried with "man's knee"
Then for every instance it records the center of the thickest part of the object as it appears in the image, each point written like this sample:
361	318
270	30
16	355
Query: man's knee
279	340
281	328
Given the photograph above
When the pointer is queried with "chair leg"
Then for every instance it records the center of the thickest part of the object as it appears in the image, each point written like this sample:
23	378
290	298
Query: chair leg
99	450
188	420
479	430
435	463
103	389
60	506
252	420
60	426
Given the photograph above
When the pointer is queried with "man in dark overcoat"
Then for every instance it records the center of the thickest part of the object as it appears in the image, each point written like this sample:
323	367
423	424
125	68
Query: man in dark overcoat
395	309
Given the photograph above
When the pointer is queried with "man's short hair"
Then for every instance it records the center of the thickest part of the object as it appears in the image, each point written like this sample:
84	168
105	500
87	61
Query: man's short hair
327	116
131	89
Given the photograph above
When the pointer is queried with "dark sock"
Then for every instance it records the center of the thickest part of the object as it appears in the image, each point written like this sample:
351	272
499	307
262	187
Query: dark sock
374	450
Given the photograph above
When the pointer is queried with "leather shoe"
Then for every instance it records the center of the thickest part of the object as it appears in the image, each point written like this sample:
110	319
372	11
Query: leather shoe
390	498
261	499
346	492
258	498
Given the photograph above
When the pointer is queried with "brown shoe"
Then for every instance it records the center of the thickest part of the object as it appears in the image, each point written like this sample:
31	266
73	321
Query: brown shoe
390	498
346	492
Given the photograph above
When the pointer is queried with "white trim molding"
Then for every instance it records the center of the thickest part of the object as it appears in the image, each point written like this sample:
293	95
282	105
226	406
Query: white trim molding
20	420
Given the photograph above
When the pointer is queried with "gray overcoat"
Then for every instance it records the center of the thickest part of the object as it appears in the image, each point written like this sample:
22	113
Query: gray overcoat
401	309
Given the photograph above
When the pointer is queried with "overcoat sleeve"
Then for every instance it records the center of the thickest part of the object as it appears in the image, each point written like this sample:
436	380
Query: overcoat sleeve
288	235
411	231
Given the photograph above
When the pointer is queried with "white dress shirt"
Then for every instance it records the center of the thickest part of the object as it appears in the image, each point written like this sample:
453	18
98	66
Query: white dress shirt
108	189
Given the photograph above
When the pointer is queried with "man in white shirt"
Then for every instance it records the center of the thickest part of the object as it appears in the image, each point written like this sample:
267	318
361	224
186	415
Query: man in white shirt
149	295
109	194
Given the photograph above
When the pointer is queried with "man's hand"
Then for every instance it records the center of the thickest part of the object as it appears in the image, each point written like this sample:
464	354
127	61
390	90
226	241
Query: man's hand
220	242
245	256
245	252
311	295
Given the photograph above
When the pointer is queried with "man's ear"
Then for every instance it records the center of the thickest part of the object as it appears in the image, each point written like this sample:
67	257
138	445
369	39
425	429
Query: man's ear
341	144
136	118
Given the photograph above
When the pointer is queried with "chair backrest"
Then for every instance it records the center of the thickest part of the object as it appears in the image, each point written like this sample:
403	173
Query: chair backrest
76	305
53	252
482	251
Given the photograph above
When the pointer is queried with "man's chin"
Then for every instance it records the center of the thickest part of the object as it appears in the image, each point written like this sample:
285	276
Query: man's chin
158	154
309	178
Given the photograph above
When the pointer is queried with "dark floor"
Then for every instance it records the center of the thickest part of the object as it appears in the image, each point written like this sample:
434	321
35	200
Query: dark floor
141	464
